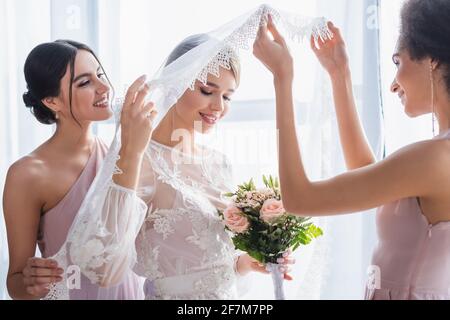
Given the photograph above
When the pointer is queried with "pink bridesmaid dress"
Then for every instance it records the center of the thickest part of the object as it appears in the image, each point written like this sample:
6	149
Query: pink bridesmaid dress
412	256
55	225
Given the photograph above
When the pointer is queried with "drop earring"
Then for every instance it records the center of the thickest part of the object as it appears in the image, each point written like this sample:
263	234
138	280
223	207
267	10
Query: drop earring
56	116
433	114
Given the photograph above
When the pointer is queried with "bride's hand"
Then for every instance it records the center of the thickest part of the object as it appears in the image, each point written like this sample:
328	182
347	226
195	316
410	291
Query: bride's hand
247	264
331	53
274	54
137	118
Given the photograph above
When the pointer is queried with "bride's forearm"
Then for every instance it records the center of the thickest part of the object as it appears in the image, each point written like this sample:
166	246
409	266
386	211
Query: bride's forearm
293	177
129	165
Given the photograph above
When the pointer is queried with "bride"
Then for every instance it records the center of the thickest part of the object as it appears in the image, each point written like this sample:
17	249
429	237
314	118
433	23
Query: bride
182	248
153	207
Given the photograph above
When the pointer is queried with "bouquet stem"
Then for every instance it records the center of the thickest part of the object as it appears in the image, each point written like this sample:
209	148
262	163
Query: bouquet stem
278	280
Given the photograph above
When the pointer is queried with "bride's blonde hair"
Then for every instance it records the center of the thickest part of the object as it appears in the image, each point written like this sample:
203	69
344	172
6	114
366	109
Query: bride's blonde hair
194	41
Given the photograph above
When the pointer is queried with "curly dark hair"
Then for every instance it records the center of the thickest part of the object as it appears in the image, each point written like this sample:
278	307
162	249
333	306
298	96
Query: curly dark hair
425	32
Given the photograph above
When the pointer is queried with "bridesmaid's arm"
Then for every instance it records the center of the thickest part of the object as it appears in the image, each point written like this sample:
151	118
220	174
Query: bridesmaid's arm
332	55
136	126
407	173
28	277
119	214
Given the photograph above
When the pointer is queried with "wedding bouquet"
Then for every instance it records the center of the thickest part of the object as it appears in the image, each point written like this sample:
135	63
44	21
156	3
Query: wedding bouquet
262	228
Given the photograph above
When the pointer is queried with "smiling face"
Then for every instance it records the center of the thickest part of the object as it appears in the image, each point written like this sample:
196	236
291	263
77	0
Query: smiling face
90	91
412	83
206	104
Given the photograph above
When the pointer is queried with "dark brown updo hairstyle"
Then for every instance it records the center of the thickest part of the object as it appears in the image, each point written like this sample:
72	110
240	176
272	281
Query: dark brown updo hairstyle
44	68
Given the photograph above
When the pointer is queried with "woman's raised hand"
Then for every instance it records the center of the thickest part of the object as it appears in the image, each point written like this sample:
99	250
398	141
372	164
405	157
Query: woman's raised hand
137	118
331	53
274	54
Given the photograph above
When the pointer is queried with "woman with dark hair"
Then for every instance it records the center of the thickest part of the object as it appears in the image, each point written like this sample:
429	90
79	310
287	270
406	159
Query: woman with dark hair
411	187
67	86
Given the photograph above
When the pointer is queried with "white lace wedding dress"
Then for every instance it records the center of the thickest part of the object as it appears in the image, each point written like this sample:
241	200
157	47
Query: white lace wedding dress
169	231
182	248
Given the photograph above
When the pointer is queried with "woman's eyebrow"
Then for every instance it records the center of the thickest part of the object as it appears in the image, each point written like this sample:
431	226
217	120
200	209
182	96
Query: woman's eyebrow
212	84
84	75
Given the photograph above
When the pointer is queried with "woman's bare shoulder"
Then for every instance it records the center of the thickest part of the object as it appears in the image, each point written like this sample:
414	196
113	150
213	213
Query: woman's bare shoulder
29	171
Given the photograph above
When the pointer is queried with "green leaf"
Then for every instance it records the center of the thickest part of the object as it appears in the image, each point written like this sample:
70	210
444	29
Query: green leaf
265	180
229	194
277	184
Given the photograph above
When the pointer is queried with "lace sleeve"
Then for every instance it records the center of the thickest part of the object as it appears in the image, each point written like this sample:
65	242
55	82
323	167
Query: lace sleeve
243	283
101	241
104	249
102	244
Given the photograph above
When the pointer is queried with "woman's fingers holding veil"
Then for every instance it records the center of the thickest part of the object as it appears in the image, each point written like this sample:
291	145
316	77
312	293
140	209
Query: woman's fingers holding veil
139	103
274	54
263	32
313	44
331	53
277	37
337	36
137	118
319	43
132	91
149	111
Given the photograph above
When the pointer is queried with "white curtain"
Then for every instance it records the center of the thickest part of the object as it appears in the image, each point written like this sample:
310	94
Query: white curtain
350	239
23	25
134	38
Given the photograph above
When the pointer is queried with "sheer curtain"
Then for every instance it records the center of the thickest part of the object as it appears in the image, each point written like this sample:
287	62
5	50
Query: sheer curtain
21	28
350	239
371	29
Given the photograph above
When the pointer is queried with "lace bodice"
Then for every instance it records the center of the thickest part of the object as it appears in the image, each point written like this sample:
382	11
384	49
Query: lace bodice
182	233
168	231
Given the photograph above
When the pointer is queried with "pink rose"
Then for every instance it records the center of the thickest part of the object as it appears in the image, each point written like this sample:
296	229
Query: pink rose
235	220
271	210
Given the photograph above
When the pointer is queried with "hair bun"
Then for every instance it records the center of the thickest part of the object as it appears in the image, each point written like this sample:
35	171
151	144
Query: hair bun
29	100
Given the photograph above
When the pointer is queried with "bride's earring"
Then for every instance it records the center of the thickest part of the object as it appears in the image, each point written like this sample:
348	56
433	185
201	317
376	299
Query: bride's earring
56	116
433	114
